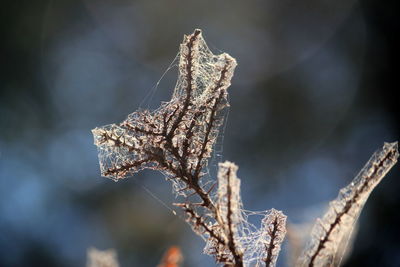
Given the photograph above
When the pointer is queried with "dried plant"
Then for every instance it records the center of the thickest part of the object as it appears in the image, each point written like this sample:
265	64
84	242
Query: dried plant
330	235
178	138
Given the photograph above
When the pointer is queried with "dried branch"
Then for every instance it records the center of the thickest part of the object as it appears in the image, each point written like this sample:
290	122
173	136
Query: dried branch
209	231
177	139
274	224
331	232
229	206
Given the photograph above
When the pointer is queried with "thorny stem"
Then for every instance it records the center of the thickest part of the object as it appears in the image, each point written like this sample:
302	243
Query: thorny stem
189	80
349	204
182	159
199	221
208	131
177	139
125	167
271	246
192	179
231	241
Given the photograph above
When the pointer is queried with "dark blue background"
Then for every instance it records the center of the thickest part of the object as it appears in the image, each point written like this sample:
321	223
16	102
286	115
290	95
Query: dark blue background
315	93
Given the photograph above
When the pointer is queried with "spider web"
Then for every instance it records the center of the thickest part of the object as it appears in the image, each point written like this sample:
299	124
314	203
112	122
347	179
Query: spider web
250	239
218	148
117	143
148	98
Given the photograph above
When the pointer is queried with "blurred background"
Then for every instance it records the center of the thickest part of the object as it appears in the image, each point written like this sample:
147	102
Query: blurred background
313	96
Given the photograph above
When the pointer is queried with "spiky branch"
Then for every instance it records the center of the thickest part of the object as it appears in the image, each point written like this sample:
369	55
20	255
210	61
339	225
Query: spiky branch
334	229
275	228
178	138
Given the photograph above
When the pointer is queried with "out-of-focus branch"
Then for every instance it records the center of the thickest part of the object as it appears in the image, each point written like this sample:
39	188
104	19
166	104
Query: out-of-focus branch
332	232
